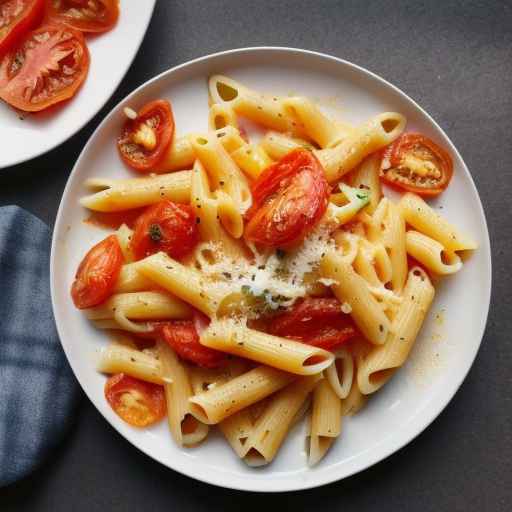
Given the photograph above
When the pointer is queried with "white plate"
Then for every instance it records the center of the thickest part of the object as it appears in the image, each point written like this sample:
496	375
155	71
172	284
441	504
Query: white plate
444	351
111	56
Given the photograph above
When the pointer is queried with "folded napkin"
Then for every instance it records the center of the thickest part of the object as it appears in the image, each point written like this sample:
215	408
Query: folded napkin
37	389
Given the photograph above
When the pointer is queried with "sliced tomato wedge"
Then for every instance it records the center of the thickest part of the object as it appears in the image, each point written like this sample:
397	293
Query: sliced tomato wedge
417	164
315	321
289	198
137	402
97	274
144	140
165	226
16	18
183	338
84	15
47	67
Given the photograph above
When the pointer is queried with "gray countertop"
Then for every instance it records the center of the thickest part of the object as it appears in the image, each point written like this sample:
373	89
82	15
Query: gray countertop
455	60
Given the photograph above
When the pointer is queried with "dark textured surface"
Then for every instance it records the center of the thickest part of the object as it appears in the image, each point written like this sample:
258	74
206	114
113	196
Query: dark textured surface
455	59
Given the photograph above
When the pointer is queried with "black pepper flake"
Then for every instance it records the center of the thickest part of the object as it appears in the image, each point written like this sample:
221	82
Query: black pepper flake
132	359
221	183
168	267
381	328
198	220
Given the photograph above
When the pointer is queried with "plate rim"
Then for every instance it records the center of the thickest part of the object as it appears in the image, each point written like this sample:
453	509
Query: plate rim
86	119
379	453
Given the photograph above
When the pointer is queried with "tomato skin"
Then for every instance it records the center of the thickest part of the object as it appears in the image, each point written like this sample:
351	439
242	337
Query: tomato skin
54	64
289	198
97	274
157	114
393	158
315	321
57	11
28	18
182	337
151	405
165	226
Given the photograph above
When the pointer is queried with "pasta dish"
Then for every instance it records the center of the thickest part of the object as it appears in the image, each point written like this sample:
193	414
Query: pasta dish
258	275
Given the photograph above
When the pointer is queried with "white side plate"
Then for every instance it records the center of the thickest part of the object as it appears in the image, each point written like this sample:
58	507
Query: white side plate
448	342
111	55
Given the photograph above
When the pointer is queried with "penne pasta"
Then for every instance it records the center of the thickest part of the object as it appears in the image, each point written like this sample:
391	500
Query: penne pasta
220	116
125	307
266	111
373	135
352	289
383	361
226	177
120	359
216	404
432	254
126	194
124	236
179	156
271	428
291	356
393	238
277	145
252	159
183	282
366	177
341	372
317	126
325	421
130	280
424	219
185	429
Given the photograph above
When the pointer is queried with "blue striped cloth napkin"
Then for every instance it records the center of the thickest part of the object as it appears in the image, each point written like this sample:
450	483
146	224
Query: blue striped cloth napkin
38	392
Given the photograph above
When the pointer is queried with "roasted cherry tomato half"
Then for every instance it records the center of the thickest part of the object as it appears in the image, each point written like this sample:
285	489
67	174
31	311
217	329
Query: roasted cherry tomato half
415	163
315	321
137	402
46	67
165	226
289	198
183	338
16	18
97	274
84	15
145	139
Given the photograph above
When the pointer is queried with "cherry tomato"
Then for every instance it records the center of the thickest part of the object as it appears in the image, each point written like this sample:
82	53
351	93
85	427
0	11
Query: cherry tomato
114	220
315	321
415	163
165	226
84	15
183	338
16	18
97	274
47	67
137	402
144	140
289	198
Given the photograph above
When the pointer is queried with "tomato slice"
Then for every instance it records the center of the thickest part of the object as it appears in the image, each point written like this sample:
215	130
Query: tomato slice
16	18
182	337
144	140
315	321
137	402
417	164
165	226
97	274
84	15
289	198
47	67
